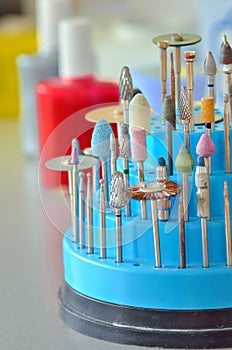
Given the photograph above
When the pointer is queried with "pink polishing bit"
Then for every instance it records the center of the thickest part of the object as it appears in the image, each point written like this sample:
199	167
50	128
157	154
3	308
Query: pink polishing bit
205	146
138	144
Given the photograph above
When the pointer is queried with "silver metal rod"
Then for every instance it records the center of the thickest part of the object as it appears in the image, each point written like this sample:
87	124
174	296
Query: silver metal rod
143	202
102	221
89	213
126	181
104	177
185	195
156	233
169	128
204	242
173	89
227	134
112	154
81	210
186	134
178	77
118	235
74	205
227	224
181	233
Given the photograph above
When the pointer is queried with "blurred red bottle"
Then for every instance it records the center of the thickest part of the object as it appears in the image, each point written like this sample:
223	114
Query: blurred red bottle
73	91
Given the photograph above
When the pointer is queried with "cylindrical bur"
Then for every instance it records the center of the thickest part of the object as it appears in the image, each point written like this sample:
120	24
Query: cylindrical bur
207	110
189	57
163	205
139	154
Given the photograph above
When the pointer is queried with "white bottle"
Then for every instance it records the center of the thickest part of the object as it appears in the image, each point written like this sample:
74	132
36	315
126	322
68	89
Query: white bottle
44	64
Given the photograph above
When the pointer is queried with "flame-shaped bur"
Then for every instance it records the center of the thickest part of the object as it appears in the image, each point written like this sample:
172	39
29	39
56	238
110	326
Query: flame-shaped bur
140	112
225	56
184	161
100	142
205	146
210	64
118	197
125	84
75	152
118	200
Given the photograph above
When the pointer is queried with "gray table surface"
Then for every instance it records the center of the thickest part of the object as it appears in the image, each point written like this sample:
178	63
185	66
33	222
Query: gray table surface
31	257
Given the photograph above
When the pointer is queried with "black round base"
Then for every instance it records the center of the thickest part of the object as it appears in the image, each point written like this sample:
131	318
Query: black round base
195	329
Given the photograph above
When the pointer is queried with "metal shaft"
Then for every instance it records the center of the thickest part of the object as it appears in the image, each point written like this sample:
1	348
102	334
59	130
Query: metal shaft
227	224
186	134
126	181
74	205
169	147
204	242
102	222
81	210
118	235
156	233
208	160
104	177
185	195
143	202
178	77
181	233
89	213
211	88
229	88
173	89
227	134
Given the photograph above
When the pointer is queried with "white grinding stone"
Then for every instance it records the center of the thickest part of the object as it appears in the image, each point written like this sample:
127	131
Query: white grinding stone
140	113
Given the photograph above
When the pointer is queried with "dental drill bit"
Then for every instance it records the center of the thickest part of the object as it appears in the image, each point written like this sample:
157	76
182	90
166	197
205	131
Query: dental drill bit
181	223
154	192
100	144
125	153
227	134
168	114
139	155
89	213
207	116
173	89
184	165
102	221
125	91
185	115
81	209
203	204
227	224
225	59
163	205
140	113
210	71
118	200
112	153
163	45
73	176
205	148
189	57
